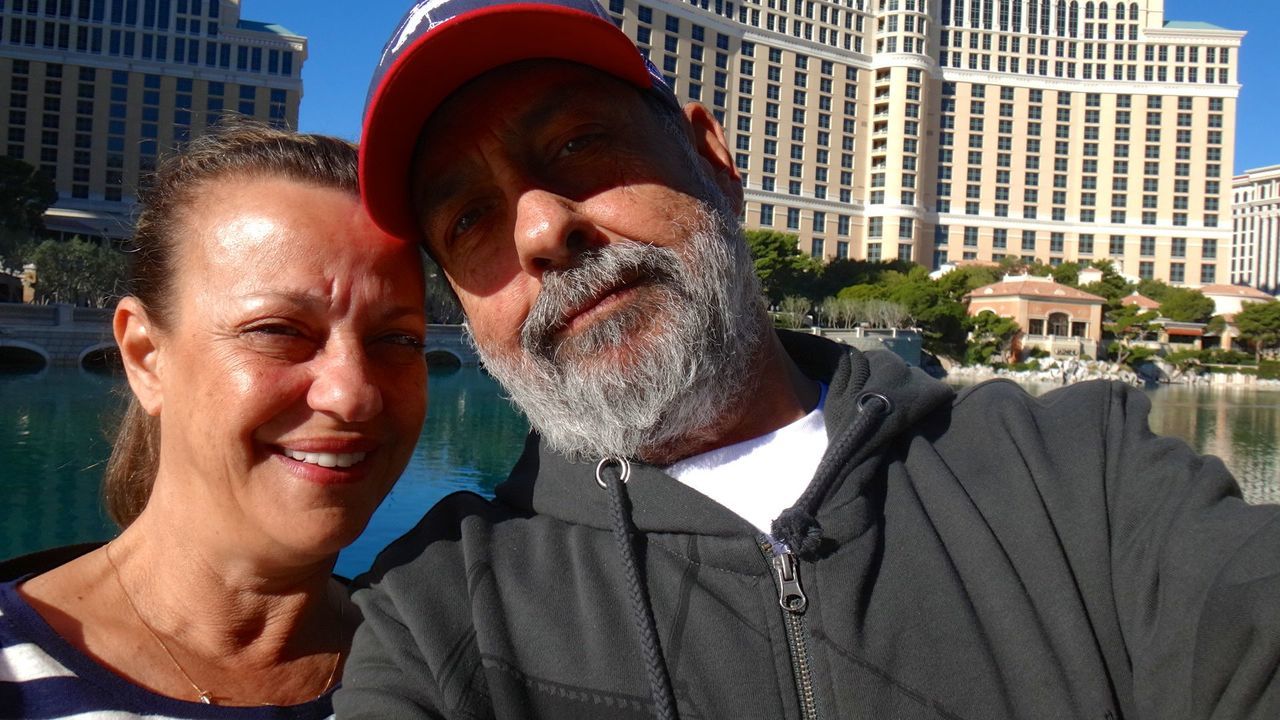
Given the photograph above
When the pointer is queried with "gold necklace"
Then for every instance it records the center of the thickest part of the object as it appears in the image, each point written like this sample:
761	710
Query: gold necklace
207	696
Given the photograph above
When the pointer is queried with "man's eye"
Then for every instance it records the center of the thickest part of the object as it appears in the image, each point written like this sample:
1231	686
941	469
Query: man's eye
578	144
465	222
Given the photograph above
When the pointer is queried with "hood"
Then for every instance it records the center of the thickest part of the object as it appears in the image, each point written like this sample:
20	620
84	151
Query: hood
547	483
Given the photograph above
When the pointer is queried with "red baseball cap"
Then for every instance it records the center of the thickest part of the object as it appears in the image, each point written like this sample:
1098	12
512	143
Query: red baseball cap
440	45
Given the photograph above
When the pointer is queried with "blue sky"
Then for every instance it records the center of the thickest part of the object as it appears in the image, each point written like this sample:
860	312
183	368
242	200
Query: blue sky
344	46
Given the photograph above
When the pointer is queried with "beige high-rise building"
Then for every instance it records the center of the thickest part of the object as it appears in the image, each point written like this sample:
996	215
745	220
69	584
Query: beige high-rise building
949	130
1255	242
94	90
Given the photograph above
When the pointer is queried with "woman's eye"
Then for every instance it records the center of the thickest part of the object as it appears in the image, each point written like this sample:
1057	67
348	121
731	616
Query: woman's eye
399	348
408	341
281	330
279	340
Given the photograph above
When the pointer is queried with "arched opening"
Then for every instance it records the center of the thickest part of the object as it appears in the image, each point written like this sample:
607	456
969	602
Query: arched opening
443	361
103	359
22	358
1059	325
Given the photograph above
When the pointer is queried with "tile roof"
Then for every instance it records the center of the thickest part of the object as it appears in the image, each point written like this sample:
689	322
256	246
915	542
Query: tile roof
1243	291
1034	288
1141	301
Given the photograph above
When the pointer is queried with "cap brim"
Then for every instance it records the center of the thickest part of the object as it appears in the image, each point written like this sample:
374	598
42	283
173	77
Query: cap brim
449	55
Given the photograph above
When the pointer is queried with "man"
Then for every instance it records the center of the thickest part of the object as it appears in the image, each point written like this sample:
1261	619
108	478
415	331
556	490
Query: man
712	520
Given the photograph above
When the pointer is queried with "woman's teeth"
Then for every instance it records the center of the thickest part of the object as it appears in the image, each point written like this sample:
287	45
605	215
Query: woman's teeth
328	460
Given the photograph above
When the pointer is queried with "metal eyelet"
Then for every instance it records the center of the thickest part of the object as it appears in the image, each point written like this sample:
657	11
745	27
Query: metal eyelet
624	468
864	403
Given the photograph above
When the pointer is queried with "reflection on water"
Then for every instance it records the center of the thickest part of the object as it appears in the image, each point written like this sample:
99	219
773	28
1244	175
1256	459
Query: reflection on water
53	429
1239	426
52	448
471	440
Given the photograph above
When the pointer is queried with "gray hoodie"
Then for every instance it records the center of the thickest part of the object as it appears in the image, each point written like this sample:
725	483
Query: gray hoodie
981	555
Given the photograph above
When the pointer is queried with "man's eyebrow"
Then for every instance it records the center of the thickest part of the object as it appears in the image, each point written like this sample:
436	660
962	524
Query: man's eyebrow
436	191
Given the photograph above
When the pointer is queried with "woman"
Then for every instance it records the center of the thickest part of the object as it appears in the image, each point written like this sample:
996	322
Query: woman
273	342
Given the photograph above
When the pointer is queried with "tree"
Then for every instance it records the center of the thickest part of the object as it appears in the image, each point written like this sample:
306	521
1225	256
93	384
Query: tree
1128	324
991	336
1112	286
1068	273
783	270
442	302
1157	290
794	308
1259	325
1186	305
25	193
78	272
962	281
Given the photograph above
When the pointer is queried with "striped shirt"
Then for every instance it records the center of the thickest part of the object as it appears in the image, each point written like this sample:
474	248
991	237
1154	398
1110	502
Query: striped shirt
44	676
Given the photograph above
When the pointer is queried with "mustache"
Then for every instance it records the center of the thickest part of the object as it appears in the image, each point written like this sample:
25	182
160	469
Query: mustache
595	272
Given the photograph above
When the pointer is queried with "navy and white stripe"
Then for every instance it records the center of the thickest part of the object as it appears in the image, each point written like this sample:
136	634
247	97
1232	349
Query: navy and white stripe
42	676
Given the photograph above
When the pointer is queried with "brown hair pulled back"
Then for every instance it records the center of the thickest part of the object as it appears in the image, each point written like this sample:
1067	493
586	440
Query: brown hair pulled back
234	150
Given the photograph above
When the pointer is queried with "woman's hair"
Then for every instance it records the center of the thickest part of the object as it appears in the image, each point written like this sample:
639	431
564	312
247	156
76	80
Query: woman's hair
237	150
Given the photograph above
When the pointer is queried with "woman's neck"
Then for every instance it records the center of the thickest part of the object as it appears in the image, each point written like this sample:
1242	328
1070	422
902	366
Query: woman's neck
219	601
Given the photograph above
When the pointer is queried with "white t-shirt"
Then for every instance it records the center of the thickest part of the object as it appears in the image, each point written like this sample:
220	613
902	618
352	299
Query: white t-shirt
760	477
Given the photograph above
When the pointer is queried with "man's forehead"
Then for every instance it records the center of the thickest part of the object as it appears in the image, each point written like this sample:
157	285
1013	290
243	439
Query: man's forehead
510	103
528	92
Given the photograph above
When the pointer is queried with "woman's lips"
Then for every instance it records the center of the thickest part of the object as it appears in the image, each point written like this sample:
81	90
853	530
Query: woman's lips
327	460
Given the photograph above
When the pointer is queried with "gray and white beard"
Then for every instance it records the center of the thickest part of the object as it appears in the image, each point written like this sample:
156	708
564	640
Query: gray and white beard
648	377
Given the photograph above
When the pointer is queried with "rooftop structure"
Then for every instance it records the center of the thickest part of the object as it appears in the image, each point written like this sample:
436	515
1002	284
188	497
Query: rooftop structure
951	130
1255	240
96	90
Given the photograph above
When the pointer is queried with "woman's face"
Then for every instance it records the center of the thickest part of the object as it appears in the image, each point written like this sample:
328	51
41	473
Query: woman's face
293	383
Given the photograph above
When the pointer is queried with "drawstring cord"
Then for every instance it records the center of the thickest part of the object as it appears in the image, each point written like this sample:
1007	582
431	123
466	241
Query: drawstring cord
797	527
664	699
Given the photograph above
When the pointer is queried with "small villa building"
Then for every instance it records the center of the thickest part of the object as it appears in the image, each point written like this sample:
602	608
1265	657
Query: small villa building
1229	300
1061	320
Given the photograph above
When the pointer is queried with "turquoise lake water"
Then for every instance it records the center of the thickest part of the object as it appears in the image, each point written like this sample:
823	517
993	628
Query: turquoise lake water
53	428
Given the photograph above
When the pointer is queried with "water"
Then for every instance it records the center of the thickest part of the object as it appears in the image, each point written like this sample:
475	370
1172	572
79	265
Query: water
52	450
53	425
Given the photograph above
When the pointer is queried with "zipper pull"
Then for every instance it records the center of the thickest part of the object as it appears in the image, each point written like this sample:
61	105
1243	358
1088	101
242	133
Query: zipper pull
787	570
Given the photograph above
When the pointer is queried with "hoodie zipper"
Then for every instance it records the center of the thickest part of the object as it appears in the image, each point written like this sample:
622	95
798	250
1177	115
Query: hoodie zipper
792	600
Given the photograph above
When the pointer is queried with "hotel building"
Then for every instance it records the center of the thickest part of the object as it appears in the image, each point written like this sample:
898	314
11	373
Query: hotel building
92	91
1255	242
949	130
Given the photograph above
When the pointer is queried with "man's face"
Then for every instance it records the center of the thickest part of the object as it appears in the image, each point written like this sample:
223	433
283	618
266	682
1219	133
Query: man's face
593	250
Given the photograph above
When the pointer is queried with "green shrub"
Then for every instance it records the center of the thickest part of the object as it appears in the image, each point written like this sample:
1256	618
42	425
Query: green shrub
1229	369
1218	356
1269	370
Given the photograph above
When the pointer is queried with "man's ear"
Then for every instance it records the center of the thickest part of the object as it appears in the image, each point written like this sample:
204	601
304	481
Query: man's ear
139	351
709	141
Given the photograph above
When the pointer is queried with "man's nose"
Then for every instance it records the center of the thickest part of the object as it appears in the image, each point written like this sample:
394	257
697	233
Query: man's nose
550	231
